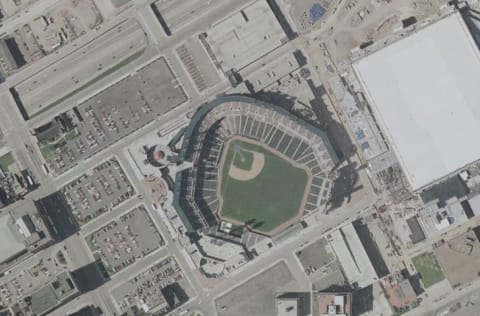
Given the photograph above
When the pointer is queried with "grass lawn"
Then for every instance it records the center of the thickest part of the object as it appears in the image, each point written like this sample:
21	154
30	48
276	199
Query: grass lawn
6	161
268	200
61	257
70	135
427	265
48	150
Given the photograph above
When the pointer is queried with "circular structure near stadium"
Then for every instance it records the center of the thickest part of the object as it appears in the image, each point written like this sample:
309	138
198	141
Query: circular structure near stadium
157	155
253	164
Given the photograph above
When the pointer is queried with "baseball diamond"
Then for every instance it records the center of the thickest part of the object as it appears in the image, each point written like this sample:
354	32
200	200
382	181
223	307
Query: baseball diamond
263	200
252	164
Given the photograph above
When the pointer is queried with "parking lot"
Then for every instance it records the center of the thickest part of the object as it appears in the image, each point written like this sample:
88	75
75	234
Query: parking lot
320	264
315	256
257	295
98	191
147	289
25	279
114	113
125	240
198	65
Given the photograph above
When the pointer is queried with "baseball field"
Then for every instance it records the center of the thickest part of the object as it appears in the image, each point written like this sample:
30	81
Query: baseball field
259	188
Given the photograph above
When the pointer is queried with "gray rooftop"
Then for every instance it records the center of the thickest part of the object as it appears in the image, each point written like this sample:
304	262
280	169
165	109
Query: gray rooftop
52	295
11	243
246	36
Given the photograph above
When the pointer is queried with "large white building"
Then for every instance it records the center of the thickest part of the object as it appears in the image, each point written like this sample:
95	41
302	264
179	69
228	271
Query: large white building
424	92
245	36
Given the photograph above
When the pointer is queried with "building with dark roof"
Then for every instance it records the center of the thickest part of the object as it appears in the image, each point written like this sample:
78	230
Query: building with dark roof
417	235
8	63
53	295
89	310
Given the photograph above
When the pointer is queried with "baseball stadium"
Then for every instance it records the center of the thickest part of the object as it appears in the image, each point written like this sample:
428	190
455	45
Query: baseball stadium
251	164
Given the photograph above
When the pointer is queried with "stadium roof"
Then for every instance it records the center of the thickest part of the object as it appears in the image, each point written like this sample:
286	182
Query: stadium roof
424	93
188	210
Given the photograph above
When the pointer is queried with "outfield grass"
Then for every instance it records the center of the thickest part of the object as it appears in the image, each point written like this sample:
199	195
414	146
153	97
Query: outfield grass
270	199
427	265
6	161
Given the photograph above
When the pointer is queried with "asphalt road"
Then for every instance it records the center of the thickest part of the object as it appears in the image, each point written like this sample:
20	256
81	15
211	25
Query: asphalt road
83	65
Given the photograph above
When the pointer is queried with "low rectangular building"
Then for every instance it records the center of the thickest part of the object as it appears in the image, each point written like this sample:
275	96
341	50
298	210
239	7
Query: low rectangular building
53	295
353	257
245	36
438	218
417	235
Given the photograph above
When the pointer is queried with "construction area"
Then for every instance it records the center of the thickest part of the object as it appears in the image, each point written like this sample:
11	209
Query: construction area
67	21
460	258
306	14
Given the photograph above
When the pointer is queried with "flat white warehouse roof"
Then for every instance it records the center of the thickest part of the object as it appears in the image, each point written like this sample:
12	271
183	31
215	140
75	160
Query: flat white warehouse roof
246	36
9	245
424	91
